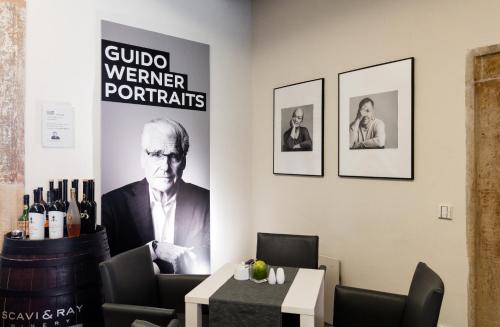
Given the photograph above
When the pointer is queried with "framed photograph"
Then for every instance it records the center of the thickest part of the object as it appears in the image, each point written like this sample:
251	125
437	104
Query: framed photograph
298	129
376	121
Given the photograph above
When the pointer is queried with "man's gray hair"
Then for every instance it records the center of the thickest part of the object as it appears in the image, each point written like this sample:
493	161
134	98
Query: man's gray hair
175	127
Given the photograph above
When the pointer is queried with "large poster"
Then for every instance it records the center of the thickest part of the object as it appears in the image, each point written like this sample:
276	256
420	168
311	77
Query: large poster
155	151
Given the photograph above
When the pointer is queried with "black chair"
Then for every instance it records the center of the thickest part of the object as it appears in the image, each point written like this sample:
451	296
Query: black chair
133	291
142	323
299	251
356	307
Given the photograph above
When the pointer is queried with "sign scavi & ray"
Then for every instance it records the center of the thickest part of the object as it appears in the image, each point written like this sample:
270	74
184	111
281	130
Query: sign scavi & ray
46	318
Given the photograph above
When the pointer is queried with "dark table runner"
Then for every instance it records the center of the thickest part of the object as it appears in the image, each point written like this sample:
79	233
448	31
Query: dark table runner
249	304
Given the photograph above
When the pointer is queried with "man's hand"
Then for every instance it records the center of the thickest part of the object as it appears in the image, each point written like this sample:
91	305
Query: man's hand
170	252
174	254
360	116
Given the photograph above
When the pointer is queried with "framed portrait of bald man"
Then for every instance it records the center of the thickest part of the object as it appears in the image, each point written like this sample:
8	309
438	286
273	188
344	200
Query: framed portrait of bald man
375	123
155	151
298	129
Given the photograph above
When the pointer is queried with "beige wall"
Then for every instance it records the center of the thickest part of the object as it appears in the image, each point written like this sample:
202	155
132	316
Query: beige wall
378	229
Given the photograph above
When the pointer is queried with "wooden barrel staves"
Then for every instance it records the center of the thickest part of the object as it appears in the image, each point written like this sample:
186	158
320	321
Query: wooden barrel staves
52	282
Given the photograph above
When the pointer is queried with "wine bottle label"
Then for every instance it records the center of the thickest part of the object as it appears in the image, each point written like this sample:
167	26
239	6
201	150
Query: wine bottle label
36	226
56	224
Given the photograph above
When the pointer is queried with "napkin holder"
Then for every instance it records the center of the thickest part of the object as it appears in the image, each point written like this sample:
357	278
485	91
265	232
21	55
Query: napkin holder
242	272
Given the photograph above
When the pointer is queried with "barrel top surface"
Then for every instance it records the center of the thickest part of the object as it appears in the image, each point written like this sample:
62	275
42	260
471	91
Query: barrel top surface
66	244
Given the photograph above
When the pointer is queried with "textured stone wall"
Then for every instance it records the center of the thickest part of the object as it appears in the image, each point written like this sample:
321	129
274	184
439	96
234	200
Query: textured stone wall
12	30
484	186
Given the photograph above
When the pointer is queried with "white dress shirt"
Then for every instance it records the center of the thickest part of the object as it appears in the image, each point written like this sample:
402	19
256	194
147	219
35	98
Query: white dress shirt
163	212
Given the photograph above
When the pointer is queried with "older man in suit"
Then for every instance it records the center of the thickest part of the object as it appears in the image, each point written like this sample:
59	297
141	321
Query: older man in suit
162	210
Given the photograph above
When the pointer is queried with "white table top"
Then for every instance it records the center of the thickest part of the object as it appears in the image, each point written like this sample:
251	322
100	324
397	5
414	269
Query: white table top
205	289
300	299
302	295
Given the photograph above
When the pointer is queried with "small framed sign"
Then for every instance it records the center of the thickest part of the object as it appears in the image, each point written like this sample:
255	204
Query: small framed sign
298	129
58	125
376	121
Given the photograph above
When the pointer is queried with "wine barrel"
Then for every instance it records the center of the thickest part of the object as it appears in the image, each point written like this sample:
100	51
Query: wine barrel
53	282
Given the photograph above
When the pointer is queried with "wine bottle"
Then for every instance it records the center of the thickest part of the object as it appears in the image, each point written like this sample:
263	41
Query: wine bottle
36	218
58	199
73	222
46	225
64	199
23	220
65	203
44	204
42	201
85	209
59	192
57	195
93	217
74	184
51	185
56	216
84	189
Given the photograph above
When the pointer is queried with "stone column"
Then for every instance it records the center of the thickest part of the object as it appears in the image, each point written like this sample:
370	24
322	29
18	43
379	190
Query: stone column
12	32
483	186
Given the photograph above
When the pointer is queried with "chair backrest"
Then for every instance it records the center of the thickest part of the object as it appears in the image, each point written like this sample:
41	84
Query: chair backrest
142	323
424	298
129	278
288	250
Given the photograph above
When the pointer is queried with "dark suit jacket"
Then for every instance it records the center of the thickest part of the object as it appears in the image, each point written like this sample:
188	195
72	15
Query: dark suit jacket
126	214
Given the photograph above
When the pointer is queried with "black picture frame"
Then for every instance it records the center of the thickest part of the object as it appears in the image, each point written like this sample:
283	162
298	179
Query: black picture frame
299	151
361	152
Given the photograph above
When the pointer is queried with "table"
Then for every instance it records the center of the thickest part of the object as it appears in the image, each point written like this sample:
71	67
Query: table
305	296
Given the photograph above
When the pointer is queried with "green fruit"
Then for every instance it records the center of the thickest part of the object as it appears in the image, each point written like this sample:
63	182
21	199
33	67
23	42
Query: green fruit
259	270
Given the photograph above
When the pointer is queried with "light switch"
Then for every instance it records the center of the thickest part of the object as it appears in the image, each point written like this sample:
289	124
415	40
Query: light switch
445	211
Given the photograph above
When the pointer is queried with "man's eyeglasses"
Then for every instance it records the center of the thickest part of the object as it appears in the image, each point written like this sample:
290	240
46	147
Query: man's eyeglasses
159	155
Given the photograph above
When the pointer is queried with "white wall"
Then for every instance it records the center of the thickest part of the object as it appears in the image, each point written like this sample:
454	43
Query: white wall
378	229
62	64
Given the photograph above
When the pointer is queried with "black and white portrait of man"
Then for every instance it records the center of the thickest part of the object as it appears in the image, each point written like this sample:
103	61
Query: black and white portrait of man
373	123
161	209
297	129
155	147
